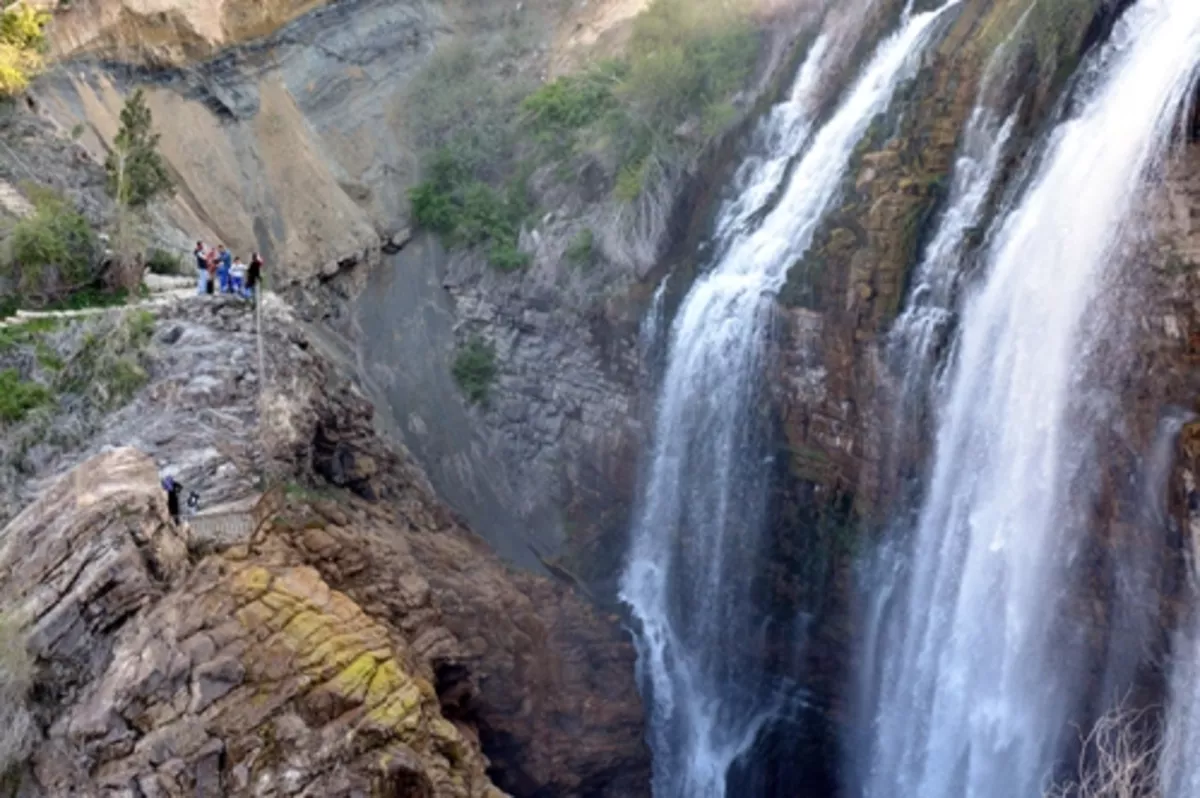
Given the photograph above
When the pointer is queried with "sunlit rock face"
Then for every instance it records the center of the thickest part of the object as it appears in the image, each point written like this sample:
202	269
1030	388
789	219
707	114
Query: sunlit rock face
351	648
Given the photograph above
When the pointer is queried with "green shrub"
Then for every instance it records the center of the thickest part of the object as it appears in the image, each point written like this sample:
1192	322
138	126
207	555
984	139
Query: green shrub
433	208
141	327
123	379
47	358
474	369
507	258
160	261
22	42
573	102
630	181
18	397
467	212
582	249
53	252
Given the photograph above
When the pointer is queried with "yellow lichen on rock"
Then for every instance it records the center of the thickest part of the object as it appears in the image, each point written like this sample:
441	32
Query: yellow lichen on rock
325	636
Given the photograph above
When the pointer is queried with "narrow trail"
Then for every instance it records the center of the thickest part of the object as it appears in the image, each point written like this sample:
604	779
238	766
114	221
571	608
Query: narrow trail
237	520
161	288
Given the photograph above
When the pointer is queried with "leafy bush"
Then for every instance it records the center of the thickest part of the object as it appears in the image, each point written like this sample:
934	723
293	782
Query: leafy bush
53	252
141	327
18	397
474	369
160	261
582	249
471	213
573	102
22	42
507	258
630	181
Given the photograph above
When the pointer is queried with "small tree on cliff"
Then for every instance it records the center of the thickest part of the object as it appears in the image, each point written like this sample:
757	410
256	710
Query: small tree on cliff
21	44
137	175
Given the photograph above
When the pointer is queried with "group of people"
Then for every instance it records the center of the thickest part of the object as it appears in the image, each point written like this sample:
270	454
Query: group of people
219	271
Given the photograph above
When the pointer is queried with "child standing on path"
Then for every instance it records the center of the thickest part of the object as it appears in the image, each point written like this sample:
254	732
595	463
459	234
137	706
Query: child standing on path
237	277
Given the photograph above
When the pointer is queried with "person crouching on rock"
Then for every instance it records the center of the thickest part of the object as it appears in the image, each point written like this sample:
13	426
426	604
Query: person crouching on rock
173	490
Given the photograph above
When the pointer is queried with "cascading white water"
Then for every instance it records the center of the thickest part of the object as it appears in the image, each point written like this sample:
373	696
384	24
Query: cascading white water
1179	769
696	541
976	682
921	330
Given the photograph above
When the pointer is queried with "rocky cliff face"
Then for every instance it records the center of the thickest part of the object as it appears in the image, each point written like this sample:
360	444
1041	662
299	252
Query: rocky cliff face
292	129
246	675
364	642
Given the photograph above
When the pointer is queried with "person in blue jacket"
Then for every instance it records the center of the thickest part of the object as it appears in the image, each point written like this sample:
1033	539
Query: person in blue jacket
224	263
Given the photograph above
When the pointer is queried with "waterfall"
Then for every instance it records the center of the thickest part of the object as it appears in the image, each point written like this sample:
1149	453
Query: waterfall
699	529
977	662
1180	766
652	322
922	331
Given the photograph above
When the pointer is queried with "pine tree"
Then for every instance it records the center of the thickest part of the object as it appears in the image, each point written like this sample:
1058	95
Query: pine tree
137	175
136	171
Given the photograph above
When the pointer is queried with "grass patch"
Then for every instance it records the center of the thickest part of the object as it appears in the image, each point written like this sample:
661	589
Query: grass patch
26	333
685	61
19	397
47	358
582	250
141	327
474	369
108	368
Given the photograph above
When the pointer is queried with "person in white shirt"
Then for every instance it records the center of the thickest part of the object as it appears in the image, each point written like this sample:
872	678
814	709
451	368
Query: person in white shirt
237	276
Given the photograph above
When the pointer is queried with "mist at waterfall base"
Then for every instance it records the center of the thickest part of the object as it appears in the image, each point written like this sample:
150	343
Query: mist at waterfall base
972	666
698	555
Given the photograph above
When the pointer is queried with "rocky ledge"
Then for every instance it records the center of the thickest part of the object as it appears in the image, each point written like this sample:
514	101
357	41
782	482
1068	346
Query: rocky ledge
361	642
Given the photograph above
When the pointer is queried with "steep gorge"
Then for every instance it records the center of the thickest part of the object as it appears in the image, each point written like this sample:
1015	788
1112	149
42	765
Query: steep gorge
286	125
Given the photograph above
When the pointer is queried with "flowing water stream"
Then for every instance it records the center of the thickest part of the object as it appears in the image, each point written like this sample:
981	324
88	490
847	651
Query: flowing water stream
698	534
976	672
